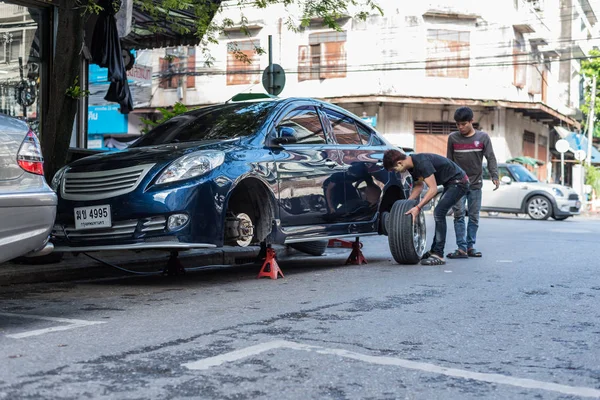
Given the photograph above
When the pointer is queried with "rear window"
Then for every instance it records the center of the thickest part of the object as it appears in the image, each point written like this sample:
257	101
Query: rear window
225	121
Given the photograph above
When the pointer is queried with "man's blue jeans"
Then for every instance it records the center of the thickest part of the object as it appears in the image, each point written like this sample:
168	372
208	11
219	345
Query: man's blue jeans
466	236
452	194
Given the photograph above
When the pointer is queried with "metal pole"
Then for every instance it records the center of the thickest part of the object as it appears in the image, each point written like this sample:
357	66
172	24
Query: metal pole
591	124
562	168
271	88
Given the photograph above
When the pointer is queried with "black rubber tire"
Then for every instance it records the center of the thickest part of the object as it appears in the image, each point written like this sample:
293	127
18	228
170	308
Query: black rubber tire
314	248
400	233
539	199
561	218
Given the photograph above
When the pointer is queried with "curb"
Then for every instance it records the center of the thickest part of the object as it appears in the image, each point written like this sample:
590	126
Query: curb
78	267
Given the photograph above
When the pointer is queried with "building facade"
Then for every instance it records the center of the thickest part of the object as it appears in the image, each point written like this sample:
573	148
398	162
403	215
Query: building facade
514	62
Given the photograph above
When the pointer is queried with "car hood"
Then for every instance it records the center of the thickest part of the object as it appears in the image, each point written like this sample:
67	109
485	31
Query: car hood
549	186
162	154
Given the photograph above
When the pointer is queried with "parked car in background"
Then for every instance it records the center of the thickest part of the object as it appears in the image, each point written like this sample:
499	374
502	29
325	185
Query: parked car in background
27	204
521	192
287	171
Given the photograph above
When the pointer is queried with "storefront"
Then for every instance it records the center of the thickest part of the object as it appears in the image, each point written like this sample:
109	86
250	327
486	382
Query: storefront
25	39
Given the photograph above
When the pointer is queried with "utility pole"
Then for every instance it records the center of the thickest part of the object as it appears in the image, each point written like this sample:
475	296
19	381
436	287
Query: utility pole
591	123
271	85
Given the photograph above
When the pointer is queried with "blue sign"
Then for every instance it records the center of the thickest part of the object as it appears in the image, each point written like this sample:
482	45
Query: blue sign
372	121
106	119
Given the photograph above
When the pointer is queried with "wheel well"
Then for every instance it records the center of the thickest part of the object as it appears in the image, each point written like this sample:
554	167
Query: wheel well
390	196
532	195
252	194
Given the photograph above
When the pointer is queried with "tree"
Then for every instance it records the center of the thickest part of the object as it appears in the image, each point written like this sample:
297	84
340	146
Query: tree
590	68
59	113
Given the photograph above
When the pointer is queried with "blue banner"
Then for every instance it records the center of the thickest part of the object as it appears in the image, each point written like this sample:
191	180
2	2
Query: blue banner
106	119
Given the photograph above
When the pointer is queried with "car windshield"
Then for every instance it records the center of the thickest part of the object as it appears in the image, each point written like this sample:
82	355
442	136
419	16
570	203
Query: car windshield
225	121
521	174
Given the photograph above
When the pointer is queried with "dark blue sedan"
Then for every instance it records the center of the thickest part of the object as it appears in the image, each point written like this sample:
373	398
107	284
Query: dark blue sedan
282	171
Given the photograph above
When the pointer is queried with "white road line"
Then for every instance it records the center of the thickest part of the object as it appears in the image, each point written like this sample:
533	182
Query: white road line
504	261
207	363
71	324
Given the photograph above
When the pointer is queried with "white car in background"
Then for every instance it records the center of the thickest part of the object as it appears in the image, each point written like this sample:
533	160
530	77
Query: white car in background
520	192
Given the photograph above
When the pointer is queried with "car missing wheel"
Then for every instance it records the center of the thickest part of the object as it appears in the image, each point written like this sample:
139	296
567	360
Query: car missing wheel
284	171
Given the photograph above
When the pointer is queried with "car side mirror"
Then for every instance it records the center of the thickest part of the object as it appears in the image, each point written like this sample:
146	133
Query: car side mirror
285	135
506	180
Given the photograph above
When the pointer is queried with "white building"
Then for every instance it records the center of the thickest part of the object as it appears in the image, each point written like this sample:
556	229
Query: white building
514	62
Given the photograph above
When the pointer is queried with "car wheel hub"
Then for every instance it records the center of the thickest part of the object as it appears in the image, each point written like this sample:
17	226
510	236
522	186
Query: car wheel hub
538	208
245	230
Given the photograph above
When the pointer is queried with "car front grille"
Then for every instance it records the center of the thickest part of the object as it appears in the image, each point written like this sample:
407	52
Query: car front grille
102	184
120	230
573	196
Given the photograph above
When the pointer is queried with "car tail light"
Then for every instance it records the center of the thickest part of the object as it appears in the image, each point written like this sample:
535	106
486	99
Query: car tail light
29	156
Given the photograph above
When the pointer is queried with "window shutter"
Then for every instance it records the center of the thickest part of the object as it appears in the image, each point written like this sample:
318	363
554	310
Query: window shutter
303	63
333	60
164	69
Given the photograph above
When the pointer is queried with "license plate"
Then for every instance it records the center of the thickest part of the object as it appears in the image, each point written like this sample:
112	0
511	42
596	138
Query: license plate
94	217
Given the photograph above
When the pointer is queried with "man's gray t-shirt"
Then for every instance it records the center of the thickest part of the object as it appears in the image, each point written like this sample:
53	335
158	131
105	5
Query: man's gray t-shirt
468	153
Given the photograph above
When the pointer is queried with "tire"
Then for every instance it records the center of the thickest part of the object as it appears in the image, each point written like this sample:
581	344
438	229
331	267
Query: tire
407	240
314	248
561	218
539	208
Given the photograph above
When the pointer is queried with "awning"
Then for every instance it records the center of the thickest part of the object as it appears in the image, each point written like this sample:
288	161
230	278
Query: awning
155	31
578	141
535	111
526	161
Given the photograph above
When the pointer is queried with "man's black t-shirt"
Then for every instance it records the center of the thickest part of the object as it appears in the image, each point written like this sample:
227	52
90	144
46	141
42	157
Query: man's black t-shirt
444	170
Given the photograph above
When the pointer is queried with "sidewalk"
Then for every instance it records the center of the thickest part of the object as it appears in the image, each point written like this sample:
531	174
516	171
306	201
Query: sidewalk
82	267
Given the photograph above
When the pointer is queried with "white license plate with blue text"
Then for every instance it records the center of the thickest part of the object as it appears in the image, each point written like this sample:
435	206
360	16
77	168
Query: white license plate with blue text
94	217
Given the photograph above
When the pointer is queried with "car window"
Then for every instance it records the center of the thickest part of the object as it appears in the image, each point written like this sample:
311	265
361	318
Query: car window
224	121
502	172
306	124
522	174
343	127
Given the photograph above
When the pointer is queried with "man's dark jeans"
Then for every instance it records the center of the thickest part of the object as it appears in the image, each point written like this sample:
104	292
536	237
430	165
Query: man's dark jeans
466	234
452	194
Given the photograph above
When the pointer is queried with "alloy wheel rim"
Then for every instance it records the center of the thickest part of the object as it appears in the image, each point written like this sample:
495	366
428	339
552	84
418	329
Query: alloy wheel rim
419	234
538	208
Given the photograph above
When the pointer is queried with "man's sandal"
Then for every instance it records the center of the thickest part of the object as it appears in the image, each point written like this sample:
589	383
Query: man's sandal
426	256
458	253
474	253
433	260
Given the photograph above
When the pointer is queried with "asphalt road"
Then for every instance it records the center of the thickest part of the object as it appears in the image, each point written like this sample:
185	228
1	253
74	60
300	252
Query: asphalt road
523	322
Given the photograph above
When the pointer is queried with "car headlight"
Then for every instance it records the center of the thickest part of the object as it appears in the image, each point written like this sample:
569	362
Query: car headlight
55	184
191	165
557	192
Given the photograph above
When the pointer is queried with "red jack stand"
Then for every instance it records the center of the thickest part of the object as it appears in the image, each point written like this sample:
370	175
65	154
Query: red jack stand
356	257
270	268
340	243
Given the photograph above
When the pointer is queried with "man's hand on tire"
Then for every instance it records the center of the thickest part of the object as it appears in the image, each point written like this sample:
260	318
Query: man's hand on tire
414	212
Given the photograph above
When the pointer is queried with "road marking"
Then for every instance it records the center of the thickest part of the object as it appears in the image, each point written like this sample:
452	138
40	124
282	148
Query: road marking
504	261
71	324
236	355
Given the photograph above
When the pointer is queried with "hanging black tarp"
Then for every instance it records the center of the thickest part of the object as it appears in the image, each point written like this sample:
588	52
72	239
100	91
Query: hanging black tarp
106	52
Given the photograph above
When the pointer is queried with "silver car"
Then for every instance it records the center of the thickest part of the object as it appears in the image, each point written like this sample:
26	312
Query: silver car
521	192
27	204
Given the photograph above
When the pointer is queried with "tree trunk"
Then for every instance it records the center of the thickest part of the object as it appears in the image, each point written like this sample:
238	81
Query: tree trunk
60	110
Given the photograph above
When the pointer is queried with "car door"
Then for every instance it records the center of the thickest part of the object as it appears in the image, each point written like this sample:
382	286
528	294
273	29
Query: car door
509	196
304	168
364	177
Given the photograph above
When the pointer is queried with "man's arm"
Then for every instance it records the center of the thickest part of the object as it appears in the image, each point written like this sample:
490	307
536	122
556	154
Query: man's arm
450	148
488	152
430	194
416	191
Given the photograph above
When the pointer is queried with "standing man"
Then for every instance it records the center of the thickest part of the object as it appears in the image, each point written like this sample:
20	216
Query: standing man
467	147
433	170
